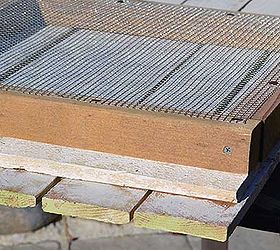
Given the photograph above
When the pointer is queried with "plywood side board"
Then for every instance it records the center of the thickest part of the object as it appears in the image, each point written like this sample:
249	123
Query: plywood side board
148	135
123	171
23	189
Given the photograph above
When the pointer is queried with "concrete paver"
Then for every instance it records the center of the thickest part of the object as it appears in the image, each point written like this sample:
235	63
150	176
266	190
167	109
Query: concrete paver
48	245
101	236
140	242
248	239
266	7
231	5
169	1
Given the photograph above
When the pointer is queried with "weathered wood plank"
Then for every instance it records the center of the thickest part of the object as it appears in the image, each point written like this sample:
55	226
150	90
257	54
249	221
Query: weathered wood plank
123	171
185	215
203	218
23	189
91	200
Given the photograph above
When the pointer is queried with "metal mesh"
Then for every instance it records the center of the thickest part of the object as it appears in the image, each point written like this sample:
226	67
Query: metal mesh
160	58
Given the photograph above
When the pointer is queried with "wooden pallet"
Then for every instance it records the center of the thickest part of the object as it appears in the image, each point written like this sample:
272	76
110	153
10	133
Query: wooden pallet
120	205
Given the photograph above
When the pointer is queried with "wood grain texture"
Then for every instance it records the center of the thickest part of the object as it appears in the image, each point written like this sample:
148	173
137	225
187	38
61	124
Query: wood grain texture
23	189
91	200
123	171
202	218
160	137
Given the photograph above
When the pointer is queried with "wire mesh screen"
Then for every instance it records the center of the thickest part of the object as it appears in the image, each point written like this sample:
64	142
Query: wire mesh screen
160	58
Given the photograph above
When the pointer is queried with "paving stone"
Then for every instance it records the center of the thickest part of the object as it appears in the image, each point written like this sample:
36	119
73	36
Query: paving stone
139	242
250	239
19	220
168	1
90	229
195	242
49	245
54	233
267	7
232	5
101	236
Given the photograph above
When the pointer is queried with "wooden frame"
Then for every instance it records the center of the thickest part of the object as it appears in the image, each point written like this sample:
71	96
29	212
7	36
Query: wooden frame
153	136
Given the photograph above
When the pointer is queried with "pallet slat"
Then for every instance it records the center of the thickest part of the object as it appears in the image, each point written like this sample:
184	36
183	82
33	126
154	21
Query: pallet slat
23	189
91	200
180	214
